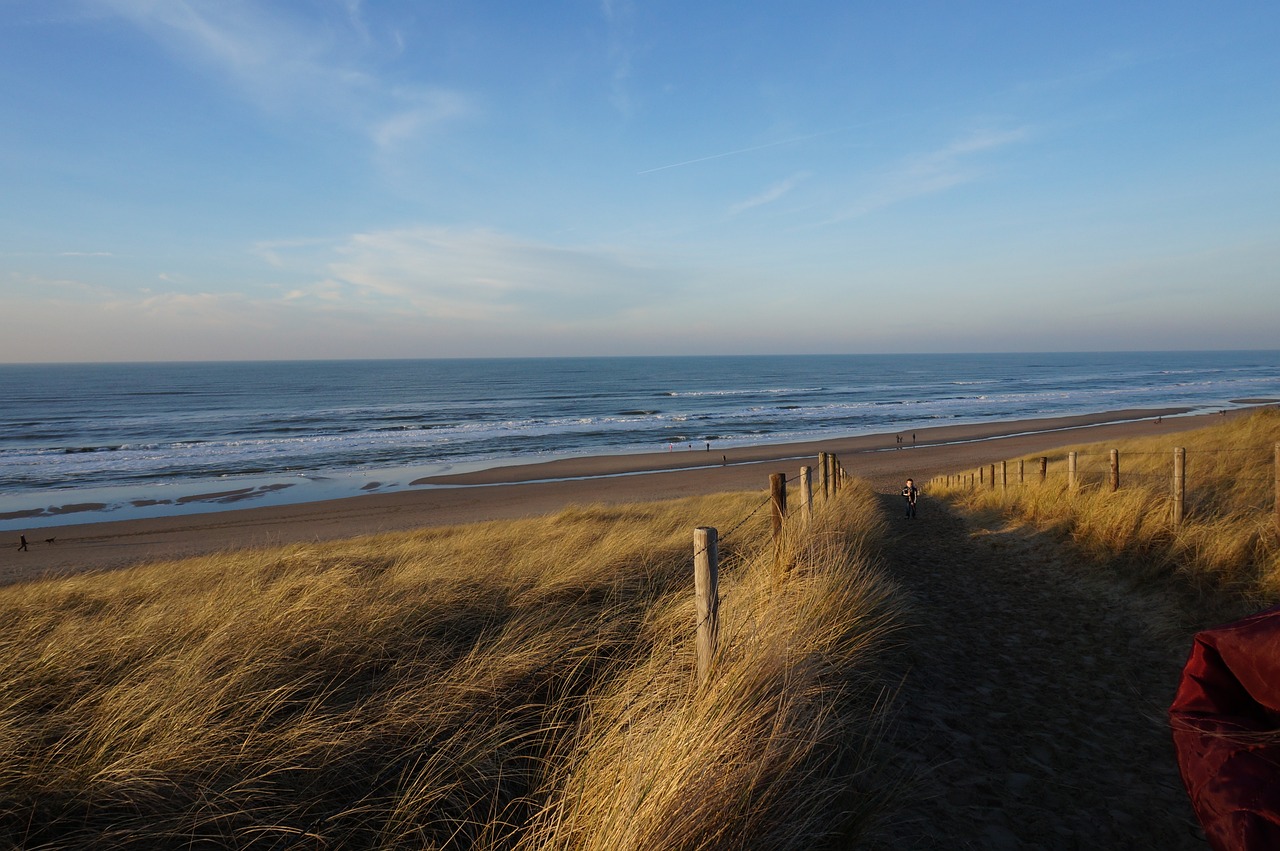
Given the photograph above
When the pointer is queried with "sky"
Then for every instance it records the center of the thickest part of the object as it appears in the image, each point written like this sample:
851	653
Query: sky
222	179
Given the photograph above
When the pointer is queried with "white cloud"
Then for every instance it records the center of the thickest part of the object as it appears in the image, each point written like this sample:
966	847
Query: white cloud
482	275
19	286
932	172
286	62
737	151
423	112
773	193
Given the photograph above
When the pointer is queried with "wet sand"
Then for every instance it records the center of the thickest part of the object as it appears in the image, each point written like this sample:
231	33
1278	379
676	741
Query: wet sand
506	493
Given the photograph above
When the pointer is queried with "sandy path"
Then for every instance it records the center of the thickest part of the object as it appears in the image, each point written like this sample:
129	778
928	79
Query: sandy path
1033	712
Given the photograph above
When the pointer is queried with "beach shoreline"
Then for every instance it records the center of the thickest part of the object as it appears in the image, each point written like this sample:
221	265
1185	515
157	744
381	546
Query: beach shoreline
525	490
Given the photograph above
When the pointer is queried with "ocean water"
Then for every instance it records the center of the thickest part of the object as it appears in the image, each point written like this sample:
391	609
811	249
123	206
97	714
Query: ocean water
89	442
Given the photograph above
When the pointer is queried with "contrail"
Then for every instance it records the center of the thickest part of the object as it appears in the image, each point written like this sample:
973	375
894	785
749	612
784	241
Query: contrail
739	151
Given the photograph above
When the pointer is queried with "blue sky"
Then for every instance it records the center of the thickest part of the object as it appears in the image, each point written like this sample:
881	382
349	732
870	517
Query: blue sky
217	179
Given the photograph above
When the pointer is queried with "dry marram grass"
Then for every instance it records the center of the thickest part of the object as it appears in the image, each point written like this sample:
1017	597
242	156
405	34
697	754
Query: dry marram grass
1228	539
505	685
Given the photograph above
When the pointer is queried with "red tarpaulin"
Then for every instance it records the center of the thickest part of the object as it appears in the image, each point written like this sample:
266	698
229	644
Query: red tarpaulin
1226	730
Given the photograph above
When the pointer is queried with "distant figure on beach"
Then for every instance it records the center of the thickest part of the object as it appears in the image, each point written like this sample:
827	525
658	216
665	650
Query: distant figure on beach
708	446
22	545
910	493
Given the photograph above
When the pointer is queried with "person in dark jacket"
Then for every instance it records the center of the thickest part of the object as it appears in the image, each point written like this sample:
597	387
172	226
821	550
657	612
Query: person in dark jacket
910	493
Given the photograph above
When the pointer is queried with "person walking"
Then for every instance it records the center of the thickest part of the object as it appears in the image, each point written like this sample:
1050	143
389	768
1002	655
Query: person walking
23	542
910	493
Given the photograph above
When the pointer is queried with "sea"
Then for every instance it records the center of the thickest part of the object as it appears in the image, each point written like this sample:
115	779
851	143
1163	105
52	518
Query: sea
90	442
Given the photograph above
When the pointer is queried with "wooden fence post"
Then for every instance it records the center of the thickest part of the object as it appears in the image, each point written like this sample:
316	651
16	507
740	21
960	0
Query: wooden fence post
1044	468
1022	471
982	476
993	476
1071	471
1004	475
706	582
1179	484
823	469
806	493
1115	470
778	500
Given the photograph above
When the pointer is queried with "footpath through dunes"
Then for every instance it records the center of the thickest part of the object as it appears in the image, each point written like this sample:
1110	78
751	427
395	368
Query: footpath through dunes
1032	713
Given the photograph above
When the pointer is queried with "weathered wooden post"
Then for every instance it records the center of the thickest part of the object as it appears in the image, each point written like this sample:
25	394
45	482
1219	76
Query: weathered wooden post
806	493
706	582
1179	484
993	476
778	501
1044	468
982	476
823	470
1071	471
1115	470
1022	471
1004	475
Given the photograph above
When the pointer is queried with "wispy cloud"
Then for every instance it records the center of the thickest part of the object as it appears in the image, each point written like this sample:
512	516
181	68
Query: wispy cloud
285	62
474	275
936	171
57	254
775	192
17	285
735	152
422	112
618	16
1090	73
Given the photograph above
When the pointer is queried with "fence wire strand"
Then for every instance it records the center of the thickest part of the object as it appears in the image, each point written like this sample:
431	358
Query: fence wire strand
1091	476
723	567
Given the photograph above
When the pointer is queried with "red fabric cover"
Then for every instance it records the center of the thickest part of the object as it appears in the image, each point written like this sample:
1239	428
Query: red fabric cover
1226	730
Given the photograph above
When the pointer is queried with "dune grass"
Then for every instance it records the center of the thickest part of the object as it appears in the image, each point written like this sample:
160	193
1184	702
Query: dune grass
1228	540
511	685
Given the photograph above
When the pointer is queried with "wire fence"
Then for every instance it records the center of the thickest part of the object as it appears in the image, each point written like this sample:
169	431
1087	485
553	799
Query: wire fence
1204	481
707	541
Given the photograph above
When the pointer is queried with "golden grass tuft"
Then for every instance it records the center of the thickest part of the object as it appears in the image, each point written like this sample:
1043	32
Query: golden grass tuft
1228	540
516	685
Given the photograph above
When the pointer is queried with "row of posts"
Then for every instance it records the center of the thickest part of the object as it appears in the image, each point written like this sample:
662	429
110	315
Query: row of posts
706	556
1113	478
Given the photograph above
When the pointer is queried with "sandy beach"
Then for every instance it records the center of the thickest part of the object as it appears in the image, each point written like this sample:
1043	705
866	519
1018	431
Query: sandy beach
536	489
